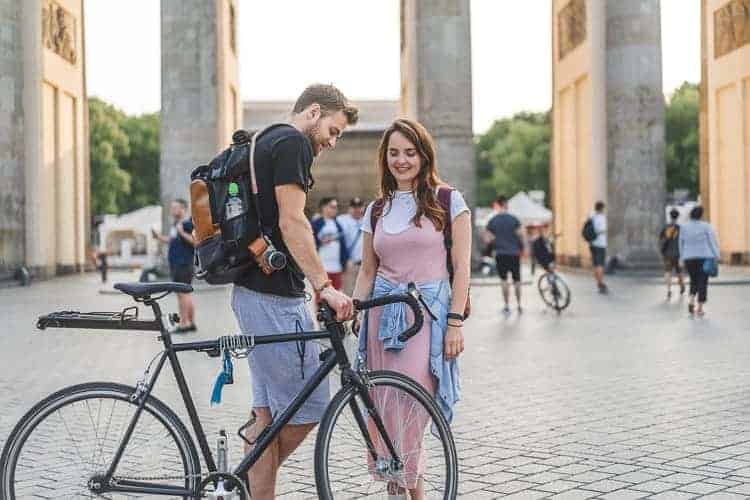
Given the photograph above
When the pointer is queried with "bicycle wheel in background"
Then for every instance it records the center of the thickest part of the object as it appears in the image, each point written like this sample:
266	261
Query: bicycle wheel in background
554	291
344	468
72	435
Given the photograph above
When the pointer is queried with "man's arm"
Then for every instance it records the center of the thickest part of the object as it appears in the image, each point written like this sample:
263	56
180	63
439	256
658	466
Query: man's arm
298	237
188	237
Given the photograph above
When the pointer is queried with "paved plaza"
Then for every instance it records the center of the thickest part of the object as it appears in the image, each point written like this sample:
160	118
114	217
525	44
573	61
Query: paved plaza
621	397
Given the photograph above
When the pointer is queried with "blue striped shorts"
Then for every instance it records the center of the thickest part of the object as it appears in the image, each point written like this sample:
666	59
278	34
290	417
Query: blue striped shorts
279	371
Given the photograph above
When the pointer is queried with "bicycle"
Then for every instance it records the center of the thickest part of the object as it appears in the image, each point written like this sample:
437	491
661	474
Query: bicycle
107	440
552	287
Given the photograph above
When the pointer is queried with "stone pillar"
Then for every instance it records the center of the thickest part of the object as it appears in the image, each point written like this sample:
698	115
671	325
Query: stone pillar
200	103
11	138
53	135
636	176
436	83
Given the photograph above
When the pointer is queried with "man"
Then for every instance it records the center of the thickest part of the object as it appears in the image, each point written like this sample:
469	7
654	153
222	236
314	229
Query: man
352	224
669	245
505	230
180	258
598	246
275	303
329	240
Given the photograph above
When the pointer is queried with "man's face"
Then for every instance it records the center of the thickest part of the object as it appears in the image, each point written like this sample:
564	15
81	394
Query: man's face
177	210
324	131
330	209
357	212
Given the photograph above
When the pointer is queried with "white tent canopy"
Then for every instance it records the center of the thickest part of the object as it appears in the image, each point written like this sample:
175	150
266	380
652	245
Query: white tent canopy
529	212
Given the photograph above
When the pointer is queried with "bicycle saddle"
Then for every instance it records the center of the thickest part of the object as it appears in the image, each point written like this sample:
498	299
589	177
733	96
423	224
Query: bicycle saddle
142	290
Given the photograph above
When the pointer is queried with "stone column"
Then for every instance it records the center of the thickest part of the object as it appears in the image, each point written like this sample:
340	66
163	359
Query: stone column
11	138
199	88
436	83
635	129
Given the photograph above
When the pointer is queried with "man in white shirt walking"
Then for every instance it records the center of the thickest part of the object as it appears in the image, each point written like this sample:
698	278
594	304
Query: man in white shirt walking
598	245
351	223
329	238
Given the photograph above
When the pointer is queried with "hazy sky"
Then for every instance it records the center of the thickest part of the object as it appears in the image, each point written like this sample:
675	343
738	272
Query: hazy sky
355	45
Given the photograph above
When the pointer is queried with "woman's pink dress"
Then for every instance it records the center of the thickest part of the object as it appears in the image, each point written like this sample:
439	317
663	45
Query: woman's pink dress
414	255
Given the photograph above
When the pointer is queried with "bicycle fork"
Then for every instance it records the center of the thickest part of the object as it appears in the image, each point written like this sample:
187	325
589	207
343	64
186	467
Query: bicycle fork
393	468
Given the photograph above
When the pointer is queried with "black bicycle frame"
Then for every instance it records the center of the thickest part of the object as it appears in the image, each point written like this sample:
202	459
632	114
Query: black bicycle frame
330	358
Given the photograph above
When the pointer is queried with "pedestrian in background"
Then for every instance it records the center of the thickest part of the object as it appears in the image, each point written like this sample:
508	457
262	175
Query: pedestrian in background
669	246
351	223
598	246
329	240
698	243
180	257
506	231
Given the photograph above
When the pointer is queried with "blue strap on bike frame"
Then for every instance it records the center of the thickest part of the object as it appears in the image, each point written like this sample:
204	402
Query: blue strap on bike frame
226	376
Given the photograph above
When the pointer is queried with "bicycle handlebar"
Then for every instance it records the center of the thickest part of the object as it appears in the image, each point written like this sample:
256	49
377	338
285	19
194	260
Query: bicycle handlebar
411	298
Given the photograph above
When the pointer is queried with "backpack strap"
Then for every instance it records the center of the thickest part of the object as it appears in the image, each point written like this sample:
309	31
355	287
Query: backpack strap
444	195
377	210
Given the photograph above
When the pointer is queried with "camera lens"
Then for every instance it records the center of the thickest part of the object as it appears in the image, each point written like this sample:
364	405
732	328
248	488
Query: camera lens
276	260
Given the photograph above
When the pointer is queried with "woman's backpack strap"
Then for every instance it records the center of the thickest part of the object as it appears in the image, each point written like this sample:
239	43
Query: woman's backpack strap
376	212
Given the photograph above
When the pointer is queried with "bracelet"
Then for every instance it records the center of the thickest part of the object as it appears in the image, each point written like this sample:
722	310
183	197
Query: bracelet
460	325
457	316
322	287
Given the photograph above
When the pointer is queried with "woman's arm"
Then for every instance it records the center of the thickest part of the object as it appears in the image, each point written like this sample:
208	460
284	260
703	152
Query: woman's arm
713	242
368	269
461	258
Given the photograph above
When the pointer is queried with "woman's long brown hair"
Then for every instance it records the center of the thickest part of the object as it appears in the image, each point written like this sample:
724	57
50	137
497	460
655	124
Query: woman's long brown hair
427	179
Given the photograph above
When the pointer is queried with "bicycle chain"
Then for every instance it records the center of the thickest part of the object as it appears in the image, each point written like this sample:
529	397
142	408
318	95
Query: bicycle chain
159	478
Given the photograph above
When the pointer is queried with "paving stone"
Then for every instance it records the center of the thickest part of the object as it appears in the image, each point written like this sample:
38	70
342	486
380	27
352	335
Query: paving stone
701	488
605	485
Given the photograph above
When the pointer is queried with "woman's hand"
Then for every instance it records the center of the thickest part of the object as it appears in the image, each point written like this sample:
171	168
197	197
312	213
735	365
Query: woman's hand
454	342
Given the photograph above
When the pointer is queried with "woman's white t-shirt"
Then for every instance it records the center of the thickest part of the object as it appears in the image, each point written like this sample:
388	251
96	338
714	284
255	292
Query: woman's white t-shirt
397	217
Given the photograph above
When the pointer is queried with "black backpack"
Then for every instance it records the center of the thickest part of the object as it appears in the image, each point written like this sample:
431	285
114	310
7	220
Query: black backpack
588	232
222	245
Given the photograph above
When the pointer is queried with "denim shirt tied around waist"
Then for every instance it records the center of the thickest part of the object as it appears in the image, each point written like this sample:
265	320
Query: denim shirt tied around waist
437	295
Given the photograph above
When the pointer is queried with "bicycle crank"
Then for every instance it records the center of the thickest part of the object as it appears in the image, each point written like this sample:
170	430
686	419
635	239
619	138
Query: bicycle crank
223	486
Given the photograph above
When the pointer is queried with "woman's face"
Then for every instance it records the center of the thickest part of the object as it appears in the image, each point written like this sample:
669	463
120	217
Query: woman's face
403	159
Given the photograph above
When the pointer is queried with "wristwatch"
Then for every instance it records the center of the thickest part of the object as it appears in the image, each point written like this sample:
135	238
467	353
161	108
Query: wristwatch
458	316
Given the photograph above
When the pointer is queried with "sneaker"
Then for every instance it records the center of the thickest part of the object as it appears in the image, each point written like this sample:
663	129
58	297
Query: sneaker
669	295
186	329
682	289
520	310
691	308
506	310
603	289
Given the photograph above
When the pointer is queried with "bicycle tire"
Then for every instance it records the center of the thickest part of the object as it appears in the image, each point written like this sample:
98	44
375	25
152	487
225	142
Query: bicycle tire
36	431
439	429
557	301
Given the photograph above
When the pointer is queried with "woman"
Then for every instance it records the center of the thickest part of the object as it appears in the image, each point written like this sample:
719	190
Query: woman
407	245
697	243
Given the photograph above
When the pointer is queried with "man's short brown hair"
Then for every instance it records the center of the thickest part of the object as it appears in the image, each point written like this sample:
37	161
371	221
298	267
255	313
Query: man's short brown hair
330	100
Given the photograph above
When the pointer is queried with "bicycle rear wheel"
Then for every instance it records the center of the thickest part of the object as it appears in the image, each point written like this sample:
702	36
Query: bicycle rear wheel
72	435
344	468
554	291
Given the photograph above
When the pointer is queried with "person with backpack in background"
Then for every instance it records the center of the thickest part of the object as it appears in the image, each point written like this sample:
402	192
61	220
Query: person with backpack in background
506	231
419	231
595	233
180	257
669	246
329	240
699	251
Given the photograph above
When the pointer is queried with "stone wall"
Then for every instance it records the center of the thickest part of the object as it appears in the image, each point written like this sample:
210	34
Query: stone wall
11	138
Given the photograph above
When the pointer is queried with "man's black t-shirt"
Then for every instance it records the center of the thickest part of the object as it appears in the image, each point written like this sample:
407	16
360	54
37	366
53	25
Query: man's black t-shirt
283	155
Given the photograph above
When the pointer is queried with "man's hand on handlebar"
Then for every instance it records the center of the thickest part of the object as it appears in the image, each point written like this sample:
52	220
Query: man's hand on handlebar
340	303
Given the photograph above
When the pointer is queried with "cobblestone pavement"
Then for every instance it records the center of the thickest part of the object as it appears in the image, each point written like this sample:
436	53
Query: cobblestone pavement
621	397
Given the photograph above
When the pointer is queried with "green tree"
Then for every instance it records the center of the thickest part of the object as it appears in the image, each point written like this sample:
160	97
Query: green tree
110	184
683	139
513	155
143	161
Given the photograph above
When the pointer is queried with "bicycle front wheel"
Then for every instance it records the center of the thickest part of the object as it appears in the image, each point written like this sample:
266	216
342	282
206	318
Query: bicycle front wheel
71	437
554	291
352	459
